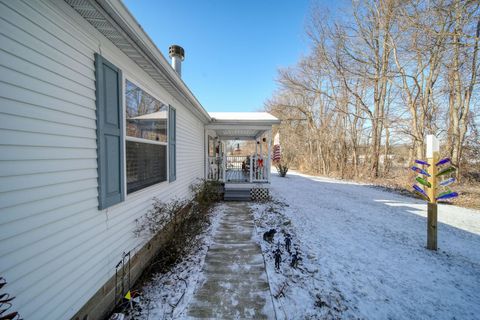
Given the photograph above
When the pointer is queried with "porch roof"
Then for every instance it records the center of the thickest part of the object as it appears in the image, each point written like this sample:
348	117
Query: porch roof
241	125
253	117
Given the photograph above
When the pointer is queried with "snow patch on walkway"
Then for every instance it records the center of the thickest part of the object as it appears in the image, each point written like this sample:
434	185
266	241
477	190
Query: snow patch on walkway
235	285
167	295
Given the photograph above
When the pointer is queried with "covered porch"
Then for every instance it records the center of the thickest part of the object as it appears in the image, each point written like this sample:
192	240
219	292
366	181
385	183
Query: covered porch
229	165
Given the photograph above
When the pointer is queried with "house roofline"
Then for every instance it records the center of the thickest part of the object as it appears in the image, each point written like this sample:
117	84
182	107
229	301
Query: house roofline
137	40
126	22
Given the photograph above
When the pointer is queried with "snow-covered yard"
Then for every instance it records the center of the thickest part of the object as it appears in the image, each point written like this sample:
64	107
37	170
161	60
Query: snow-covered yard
364	255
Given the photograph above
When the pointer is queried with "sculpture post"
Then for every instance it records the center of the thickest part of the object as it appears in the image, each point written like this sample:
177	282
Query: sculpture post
433	149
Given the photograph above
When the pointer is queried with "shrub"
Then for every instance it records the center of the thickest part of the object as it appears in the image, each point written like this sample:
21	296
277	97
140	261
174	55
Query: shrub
158	217
282	169
205	194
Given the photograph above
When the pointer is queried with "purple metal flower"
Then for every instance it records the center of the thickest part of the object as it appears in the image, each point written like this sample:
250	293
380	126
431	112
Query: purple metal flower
443	161
447	182
417	188
448	196
425	163
421	171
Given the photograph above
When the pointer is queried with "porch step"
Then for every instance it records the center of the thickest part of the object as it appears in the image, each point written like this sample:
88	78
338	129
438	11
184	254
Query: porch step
237	195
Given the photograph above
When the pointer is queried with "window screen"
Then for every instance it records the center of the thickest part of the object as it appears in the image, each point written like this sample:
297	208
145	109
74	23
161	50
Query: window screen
146	165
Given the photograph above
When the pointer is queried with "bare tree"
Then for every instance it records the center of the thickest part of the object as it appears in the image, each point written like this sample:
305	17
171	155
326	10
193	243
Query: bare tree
374	84
462	73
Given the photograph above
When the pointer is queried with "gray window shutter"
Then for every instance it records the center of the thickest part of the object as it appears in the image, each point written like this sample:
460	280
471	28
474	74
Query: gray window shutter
109	133
172	144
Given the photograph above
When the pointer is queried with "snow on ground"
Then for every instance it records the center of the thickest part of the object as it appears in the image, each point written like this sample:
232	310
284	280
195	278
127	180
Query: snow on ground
364	254
167	295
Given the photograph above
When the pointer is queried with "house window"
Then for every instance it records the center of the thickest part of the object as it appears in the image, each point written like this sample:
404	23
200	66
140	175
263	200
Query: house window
146	138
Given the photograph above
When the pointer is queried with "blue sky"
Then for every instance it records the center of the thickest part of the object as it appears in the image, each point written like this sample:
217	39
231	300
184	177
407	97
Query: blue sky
233	48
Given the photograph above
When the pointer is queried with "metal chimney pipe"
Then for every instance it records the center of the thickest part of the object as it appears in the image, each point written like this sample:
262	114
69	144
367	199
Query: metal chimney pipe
178	55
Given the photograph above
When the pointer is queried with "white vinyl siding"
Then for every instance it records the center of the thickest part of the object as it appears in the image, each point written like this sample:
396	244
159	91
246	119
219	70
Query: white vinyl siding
56	248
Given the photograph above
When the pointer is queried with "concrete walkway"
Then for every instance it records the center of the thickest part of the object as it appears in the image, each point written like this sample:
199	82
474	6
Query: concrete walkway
236	285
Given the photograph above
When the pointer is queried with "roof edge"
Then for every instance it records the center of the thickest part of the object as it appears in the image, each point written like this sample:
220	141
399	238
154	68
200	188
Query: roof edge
124	18
256	118
252	122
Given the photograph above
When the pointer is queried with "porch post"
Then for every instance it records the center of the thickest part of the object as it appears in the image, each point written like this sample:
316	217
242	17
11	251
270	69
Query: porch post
251	168
254	160
205	155
261	174
224	155
269	137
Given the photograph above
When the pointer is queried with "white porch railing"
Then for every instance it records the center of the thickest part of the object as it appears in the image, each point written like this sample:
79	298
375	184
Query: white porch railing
238	163
239	168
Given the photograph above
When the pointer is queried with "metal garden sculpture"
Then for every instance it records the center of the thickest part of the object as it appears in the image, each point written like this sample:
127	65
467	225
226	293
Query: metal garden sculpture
6	304
433	185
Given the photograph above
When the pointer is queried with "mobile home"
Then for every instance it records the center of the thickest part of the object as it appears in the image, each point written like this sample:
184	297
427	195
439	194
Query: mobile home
94	124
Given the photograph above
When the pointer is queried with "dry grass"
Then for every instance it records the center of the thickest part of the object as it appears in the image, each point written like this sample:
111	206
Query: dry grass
400	180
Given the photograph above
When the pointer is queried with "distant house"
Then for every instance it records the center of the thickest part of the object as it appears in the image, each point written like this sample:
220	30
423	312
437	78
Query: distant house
95	123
